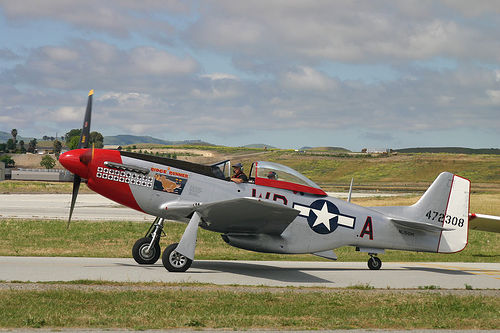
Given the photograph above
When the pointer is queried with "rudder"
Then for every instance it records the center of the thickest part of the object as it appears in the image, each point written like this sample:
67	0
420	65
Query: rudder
446	203
456	217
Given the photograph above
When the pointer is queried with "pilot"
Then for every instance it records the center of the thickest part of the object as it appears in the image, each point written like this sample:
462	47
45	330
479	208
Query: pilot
272	175
238	175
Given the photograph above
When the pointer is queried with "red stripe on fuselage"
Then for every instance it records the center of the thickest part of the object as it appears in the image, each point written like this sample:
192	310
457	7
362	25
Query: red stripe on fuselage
114	190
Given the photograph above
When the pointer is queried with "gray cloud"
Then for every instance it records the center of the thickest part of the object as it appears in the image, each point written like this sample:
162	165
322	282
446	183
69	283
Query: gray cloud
165	91
356	31
115	17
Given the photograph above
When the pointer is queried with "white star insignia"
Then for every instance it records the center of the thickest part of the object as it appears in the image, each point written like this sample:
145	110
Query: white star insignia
323	216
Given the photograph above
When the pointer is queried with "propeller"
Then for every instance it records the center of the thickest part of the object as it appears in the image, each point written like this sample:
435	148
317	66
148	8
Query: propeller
83	143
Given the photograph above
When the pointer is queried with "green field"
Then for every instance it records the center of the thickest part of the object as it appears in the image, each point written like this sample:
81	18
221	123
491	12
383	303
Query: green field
115	239
248	308
332	170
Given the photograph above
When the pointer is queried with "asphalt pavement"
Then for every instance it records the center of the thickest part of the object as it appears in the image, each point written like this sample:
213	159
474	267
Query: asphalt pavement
424	275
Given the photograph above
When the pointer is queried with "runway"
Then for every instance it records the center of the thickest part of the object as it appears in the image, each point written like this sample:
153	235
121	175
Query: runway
88	207
56	207
266	273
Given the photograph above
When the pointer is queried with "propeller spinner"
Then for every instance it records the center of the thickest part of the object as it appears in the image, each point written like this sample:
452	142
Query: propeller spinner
77	161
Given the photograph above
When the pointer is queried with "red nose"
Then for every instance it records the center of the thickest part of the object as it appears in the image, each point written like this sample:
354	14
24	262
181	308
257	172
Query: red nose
77	161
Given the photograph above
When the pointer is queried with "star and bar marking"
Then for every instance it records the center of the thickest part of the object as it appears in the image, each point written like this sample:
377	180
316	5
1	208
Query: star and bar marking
324	217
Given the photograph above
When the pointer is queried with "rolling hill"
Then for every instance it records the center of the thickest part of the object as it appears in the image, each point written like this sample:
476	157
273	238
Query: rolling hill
123	140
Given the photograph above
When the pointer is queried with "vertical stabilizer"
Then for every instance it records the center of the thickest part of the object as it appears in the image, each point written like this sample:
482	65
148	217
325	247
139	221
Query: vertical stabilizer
442	212
446	204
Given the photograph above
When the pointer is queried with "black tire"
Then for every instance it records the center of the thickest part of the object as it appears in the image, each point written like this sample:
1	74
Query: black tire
141	256
173	261
374	263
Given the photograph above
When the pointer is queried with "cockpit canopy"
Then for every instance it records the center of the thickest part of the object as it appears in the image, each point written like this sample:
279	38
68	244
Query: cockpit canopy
280	176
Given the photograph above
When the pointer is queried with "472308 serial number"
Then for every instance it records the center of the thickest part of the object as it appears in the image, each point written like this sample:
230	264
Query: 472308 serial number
448	219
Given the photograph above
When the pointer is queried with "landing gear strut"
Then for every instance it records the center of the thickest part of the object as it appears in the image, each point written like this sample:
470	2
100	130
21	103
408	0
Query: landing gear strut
147	251
374	262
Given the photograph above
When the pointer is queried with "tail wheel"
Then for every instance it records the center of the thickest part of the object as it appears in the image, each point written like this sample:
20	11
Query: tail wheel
374	263
174	261
141	254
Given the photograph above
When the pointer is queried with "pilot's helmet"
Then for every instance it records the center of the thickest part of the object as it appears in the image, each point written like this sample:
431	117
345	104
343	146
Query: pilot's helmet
238	165
272	175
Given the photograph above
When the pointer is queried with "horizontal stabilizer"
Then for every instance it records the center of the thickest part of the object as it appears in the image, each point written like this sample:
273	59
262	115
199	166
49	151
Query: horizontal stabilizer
418	226
484	222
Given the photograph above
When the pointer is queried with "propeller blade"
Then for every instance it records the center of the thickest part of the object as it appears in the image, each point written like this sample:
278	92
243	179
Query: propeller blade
76	186
83	143
85	136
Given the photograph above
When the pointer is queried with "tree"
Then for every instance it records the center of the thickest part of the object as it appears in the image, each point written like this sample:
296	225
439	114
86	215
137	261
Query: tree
73	142
3	147
48	162
57	147
9	162
21	147
32	146
14	135
95	138
74	132
11	146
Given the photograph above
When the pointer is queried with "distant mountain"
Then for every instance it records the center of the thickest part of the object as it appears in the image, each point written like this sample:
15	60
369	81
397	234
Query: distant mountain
450	150
258	145
5	136
327	149
123	140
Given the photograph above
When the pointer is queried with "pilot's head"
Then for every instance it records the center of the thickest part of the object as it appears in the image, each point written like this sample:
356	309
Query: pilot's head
272	175
237	167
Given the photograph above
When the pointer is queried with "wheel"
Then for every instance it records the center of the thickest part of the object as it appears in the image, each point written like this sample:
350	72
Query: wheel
174	261
140	253
374	263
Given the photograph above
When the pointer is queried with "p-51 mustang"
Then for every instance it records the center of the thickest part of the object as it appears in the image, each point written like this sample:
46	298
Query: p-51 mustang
286	213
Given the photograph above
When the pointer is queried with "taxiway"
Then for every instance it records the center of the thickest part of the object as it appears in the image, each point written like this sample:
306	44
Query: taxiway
267	273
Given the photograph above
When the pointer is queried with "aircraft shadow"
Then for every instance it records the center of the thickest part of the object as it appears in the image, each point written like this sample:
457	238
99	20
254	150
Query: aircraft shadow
256	270
439	270
262	271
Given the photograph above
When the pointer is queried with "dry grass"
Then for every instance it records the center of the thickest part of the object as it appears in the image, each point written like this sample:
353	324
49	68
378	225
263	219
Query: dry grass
163	309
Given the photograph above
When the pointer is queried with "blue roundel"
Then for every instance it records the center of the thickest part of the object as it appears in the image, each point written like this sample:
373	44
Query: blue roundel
323	217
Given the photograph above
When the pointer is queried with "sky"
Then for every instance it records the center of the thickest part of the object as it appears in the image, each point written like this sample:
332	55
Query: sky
287	73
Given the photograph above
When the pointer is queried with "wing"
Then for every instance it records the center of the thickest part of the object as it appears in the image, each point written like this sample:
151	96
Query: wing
246	215
484	222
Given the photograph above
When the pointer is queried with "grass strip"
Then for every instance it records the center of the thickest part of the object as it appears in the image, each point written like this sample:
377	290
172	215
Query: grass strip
244	310
115	240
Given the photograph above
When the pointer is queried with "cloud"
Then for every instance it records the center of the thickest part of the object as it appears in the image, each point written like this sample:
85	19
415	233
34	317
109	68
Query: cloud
153	75
119	18
83	64
350	32
219	76
307	78
7	54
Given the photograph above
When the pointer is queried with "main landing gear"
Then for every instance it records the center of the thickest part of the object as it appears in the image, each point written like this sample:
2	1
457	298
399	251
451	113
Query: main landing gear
374	262
147	251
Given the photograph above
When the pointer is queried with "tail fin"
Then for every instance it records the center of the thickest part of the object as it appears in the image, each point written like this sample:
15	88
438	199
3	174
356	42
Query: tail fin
443	210
446	204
